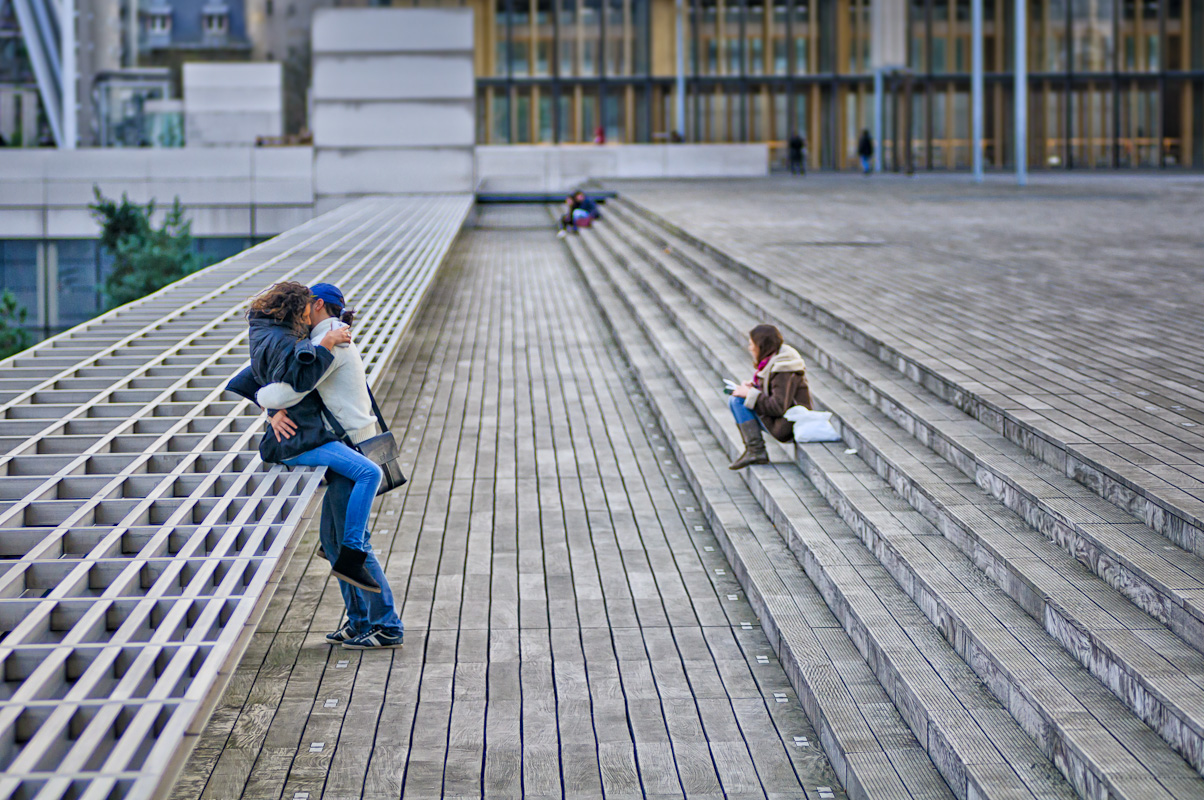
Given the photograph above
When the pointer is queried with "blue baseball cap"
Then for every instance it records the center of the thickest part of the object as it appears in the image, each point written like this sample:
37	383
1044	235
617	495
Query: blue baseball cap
329	294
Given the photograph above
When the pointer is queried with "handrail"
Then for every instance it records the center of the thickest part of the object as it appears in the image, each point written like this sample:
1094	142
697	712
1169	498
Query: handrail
141	534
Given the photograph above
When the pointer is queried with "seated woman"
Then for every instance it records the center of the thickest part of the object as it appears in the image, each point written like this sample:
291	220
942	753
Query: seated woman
281	351
779	383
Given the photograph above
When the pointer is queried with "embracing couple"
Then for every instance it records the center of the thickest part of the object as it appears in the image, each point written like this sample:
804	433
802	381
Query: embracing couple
306	371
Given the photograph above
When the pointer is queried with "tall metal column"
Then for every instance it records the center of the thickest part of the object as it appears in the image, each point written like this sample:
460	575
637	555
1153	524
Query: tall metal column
131	33
879	107
70	77
680	122
1021	93
976	90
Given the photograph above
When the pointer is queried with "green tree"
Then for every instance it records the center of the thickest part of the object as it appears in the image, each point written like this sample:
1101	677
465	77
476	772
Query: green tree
146	258
13	336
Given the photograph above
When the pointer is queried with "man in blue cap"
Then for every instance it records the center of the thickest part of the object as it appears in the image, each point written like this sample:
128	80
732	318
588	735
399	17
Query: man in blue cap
372	620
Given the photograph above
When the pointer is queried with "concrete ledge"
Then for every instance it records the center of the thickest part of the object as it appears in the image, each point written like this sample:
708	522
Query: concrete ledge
393	171
560	167
225	190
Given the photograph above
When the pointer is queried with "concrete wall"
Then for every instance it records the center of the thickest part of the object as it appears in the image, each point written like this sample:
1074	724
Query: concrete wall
232	104
559	167
393	102
227	191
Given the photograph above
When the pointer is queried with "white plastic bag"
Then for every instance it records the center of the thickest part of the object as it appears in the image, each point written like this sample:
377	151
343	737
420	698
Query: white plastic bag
812	426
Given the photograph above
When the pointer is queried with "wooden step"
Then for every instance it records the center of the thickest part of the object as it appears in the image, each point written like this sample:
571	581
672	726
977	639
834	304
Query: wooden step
969	736
939	579
1145	665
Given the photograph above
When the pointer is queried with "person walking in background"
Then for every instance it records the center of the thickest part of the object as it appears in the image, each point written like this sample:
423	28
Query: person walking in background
865	150
372	619
778	384
794	148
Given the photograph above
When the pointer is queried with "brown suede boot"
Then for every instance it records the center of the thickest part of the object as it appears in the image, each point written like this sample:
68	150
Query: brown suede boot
754	446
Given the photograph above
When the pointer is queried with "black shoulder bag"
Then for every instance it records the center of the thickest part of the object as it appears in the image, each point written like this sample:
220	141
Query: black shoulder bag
381	449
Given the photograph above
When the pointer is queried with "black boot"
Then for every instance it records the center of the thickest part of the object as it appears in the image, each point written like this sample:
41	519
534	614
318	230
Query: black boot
349	567
754	446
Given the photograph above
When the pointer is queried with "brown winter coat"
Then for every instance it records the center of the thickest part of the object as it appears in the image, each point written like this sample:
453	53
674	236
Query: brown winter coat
783	386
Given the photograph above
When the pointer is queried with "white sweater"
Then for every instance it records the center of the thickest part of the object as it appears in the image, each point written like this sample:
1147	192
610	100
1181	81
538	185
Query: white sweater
343	388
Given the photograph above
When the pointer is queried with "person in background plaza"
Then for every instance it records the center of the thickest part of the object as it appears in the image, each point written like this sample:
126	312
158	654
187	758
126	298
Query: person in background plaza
568	220
588	205
865	151
794	148
600	135
779	383
580	212
372	619
282	352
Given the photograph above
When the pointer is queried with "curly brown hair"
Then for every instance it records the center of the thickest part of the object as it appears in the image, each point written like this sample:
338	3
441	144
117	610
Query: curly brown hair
284	301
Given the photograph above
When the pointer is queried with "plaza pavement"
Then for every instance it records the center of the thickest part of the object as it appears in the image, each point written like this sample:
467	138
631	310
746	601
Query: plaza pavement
991	587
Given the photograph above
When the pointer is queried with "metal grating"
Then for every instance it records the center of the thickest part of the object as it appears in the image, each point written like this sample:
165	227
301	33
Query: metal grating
139	531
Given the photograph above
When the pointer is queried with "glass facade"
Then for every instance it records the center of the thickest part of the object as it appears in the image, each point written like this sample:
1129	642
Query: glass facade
59	281
1113	83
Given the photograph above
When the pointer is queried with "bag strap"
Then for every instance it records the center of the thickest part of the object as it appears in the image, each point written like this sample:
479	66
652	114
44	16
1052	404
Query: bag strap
380	418
333	423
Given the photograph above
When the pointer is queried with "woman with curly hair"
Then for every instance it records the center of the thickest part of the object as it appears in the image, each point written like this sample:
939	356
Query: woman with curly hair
282	352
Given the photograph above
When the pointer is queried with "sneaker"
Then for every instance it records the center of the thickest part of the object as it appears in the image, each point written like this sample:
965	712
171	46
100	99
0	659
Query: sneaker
343	634
561	234
374	640
349	567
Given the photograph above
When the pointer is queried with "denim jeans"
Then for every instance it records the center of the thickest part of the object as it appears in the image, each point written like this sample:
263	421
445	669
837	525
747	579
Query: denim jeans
362	471
742	414
366	611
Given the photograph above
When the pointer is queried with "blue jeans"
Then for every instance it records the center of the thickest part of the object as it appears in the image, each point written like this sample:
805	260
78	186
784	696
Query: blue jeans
366	611
742	414
359	468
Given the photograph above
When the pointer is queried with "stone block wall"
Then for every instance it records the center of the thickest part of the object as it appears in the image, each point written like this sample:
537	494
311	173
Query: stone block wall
393	102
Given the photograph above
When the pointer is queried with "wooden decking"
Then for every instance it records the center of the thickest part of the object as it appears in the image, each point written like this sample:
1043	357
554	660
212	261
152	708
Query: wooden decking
572	628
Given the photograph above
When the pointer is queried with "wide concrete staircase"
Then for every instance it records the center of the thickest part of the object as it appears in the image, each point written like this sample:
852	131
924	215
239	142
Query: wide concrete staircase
1003	625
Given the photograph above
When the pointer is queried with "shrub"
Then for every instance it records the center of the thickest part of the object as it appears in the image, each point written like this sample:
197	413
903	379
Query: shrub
13	336
146	258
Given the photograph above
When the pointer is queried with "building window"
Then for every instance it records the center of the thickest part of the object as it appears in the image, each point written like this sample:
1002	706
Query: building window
215	22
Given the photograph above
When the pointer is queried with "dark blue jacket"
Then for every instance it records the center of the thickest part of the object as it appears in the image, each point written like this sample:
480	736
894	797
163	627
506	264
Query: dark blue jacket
279	354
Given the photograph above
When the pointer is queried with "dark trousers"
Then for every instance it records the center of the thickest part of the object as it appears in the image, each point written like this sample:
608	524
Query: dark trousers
796	164
366	611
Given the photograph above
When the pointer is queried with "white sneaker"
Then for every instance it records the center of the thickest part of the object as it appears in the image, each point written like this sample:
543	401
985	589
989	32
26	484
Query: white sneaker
560	234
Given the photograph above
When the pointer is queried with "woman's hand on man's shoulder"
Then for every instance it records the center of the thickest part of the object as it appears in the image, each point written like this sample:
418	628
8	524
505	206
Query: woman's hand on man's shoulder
336	337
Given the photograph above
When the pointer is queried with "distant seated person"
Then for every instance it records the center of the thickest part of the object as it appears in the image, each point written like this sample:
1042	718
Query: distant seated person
589	206
779	383
580	212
